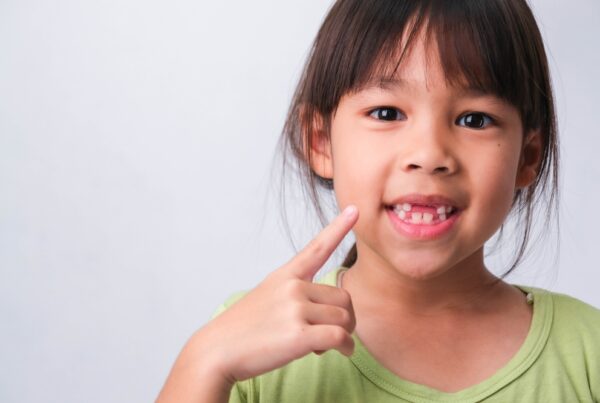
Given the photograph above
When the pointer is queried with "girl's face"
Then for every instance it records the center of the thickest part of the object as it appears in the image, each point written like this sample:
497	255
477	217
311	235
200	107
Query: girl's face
432	168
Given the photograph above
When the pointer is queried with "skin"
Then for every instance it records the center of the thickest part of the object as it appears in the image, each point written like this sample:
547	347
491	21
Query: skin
285	317
424	309
439	289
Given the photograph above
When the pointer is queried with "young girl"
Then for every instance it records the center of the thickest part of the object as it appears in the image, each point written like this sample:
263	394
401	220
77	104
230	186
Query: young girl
431	121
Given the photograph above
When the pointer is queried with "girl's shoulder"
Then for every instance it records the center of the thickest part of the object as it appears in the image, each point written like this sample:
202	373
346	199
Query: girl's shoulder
565	307
566	318
570	306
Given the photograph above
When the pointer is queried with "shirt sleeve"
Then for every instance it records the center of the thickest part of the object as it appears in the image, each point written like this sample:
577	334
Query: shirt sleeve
237	394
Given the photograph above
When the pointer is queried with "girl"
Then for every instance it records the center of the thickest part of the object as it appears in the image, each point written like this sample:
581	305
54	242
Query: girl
432	120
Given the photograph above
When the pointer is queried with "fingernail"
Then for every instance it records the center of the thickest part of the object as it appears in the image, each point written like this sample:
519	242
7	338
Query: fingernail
350	211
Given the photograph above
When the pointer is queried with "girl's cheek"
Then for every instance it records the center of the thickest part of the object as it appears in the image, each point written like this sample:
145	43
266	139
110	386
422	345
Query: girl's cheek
498	185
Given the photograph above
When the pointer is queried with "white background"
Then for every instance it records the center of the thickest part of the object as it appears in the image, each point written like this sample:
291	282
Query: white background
136	141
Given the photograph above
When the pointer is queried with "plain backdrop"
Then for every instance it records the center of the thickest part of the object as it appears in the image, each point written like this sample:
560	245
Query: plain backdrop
136	187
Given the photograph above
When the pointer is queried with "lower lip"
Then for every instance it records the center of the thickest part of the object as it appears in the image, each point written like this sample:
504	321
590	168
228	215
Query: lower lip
422	231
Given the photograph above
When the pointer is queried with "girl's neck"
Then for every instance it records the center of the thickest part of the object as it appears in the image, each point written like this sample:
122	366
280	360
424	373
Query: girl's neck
466	287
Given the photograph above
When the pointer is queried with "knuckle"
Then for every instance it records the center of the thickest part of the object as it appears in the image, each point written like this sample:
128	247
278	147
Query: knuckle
345	318
337	335
293	288
345	298
297	311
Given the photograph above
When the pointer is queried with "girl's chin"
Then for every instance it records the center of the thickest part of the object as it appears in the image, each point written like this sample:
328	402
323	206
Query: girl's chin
418	266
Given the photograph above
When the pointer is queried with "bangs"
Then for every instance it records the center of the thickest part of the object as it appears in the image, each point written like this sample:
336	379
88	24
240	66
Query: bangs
480	44
461	54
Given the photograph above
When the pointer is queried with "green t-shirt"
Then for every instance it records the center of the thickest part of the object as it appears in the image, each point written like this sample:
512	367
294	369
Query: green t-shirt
558	362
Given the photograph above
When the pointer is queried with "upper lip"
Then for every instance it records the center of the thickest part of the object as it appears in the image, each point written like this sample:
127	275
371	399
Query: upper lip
426	200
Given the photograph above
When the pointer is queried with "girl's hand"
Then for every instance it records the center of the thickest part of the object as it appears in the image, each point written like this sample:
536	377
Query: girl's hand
285	317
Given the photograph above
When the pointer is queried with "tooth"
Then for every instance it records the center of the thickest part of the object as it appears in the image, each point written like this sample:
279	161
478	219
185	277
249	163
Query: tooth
442	217
441	210
427	218
449	209
402	214
417	218
406	207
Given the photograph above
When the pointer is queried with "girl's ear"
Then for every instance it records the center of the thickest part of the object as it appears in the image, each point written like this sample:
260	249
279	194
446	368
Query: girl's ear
321	161
531	157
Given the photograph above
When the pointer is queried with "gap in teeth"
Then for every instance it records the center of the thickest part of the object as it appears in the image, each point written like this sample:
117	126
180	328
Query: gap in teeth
407	207
405	214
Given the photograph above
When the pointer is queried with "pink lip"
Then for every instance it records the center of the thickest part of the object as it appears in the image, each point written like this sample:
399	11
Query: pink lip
422	231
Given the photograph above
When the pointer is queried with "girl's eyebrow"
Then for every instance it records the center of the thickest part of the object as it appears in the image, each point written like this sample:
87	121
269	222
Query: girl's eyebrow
391	83
387	84
398	83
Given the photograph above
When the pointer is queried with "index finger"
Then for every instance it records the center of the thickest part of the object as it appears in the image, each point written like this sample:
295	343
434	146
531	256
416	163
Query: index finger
310	259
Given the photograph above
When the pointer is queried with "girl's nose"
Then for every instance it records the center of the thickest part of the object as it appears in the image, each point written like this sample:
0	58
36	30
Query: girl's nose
438	169
429	153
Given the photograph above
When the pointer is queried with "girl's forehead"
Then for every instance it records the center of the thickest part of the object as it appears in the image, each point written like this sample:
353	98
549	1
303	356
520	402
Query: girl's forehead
419	66
402	65
422	56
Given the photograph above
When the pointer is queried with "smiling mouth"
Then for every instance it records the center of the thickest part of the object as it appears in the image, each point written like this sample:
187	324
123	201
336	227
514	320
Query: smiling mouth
423	214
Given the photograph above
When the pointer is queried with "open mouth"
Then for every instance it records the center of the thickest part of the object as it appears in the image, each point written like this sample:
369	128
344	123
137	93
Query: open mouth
423	214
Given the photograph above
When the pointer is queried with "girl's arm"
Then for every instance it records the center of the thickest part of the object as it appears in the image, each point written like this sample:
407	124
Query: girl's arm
284	318
196	376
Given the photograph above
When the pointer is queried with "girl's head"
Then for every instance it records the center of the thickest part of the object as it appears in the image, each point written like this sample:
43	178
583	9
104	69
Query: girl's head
404	97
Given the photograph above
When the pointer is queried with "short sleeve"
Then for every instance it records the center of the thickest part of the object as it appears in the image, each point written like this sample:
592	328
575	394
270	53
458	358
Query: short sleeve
238	394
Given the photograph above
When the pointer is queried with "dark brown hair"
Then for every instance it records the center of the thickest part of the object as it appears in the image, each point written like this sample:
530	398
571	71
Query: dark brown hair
493	45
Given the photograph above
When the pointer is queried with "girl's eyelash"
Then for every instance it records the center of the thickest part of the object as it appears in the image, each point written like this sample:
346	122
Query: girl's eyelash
472	120
387	113
476	120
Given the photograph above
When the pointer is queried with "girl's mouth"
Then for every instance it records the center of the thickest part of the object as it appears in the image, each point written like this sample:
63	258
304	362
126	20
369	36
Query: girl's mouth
423	214
423	221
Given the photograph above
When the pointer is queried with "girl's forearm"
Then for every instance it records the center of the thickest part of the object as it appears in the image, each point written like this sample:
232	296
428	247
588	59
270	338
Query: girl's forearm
196	377
191	390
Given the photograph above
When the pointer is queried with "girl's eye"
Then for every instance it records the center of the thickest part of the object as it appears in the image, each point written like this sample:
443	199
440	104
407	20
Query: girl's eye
387	113
475	120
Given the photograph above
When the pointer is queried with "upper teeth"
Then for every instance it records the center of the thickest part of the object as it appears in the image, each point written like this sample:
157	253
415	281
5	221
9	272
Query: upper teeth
404	211
408	207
